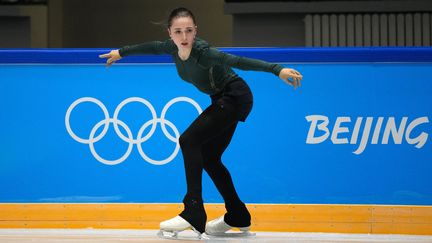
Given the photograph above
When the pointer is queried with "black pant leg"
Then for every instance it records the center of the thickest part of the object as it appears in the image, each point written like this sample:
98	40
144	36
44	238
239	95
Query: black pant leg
213	121
237	214
212	153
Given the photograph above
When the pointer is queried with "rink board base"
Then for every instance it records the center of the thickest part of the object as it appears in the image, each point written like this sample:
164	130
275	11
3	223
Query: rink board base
373	219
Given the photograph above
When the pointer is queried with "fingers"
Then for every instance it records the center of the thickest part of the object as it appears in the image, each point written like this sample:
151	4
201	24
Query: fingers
107	55
295	72
295	80
110	61
290	82
297	77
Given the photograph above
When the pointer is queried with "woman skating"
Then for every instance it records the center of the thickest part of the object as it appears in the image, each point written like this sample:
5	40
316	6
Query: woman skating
205	140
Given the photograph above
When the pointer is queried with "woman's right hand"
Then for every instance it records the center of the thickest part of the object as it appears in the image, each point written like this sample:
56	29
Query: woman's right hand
112	56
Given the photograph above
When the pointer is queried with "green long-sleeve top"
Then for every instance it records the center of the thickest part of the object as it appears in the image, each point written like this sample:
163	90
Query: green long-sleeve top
207	68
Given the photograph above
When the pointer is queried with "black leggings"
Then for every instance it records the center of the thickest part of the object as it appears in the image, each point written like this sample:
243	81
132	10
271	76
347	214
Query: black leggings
203	144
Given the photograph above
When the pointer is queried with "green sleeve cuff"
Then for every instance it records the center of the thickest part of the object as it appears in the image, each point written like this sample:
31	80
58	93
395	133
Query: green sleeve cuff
277	69
122	52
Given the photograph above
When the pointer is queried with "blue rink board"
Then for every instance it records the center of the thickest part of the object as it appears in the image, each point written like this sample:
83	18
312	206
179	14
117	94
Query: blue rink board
271	158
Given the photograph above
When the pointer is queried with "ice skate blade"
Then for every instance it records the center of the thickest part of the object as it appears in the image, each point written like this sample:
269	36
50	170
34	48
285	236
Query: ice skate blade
231	235
174	235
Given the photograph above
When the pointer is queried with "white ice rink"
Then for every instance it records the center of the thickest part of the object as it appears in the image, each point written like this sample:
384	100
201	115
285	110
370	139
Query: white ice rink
110	236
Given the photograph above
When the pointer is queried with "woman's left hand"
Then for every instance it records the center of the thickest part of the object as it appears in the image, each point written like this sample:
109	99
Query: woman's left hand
291	76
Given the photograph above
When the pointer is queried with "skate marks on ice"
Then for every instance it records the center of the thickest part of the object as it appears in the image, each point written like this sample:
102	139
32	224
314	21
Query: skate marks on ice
181	235
145	236
234	235
286	237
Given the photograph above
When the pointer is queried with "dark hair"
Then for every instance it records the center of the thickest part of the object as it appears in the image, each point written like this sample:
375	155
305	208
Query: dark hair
180	12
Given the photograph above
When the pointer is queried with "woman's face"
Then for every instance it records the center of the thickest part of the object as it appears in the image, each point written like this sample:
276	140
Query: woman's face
182	32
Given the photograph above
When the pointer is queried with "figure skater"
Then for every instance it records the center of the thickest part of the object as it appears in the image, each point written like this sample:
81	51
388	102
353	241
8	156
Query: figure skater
205	140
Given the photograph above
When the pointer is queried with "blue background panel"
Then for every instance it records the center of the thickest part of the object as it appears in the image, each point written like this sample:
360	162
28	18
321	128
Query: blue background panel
270	158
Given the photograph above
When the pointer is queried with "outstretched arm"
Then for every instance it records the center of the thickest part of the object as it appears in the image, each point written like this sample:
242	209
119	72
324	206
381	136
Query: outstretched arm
153	47
288	75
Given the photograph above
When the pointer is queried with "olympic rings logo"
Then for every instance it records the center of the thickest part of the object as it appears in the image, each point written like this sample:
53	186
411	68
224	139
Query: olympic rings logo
140	138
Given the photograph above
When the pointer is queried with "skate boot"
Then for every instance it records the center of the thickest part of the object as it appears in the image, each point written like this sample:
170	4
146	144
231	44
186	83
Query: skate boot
193	217
218	228
237	217
169	229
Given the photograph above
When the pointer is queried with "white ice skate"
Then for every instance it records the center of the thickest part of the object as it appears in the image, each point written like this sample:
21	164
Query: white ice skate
218	228
171	228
